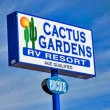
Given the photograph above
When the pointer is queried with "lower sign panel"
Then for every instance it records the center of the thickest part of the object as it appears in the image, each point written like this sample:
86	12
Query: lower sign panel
40	44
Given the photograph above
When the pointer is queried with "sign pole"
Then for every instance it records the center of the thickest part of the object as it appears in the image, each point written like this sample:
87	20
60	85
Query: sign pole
55	97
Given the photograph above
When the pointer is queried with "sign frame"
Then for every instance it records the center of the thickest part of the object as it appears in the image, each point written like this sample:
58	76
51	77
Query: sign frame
13	50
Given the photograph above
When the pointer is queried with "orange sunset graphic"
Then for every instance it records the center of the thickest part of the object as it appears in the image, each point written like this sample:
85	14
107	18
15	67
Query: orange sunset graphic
24	22
30	31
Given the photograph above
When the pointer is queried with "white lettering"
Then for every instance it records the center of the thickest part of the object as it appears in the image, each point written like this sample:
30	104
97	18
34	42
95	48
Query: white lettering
30	52
64	86
55	57
76	61
51	85
57	86
48	55
83	61
69	59
37	53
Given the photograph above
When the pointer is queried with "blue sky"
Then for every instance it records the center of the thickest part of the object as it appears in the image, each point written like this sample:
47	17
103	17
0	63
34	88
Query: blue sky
20	89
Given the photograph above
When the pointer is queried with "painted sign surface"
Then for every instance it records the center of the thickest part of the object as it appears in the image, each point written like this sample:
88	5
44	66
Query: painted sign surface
34	42
57	85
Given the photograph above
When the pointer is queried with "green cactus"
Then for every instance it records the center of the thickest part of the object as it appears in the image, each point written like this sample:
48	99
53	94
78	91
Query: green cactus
33	33
26	36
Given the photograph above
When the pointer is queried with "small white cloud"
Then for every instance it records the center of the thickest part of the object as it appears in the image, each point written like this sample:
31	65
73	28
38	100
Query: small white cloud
106	109
103	57
84	89
22	90
101	29
101	36
3	49
102	23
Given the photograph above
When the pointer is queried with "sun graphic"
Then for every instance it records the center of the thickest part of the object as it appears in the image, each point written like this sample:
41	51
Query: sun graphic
24	22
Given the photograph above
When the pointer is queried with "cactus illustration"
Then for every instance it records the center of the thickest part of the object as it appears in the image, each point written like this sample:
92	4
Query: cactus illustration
33	33
26	36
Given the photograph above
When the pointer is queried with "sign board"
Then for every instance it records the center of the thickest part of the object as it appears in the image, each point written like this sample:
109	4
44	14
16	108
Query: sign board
57	85
40	44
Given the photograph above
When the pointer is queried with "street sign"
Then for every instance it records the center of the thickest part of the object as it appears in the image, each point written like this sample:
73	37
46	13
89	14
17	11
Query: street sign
40	44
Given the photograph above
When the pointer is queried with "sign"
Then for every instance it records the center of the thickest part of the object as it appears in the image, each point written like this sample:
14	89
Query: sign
40	44
57	85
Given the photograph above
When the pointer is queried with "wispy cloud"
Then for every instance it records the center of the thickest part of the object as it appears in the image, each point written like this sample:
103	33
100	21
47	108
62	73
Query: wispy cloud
80	91
3	49
20	90
101	29
106	109
23	91
55	6
101	36
103	57
89	88
102	22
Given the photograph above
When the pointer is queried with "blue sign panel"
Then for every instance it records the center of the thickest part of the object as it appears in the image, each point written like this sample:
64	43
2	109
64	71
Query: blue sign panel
41	44
57	85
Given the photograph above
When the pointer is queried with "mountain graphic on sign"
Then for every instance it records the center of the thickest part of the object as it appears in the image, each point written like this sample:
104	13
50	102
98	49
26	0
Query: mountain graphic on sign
30	31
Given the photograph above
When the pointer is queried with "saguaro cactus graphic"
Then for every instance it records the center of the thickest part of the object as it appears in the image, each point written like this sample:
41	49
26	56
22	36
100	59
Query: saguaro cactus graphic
33	33
26	36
